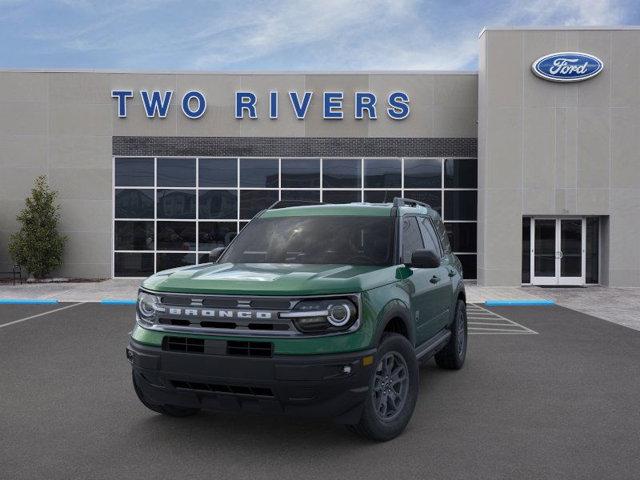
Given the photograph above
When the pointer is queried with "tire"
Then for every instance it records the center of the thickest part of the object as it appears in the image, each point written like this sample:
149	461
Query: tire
169	410
452	356
386	415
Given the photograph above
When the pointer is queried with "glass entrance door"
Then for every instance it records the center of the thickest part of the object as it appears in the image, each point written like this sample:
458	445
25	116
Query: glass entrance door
558	251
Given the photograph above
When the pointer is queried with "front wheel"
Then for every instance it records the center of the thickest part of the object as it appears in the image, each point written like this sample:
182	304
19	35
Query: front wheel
393	390
453	354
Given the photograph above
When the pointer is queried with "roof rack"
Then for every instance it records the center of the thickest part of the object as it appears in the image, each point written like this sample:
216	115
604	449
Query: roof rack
407	202
292	203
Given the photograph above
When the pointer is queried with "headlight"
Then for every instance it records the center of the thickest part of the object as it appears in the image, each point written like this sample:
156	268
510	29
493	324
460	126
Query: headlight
323	315
147	306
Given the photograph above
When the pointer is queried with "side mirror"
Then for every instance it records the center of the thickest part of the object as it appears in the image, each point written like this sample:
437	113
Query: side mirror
214	254
425	259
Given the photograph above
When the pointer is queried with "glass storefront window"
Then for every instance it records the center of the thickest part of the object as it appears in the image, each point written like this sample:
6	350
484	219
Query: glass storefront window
134	172
300	173
381	196
422	173
304	195
460	205
252	201
176	235
526	250
593	247
382	172
176	172
218	204
341	173
134	203
259	172
460	173
198	202
433	198
133	235
176	203
341	196
217	172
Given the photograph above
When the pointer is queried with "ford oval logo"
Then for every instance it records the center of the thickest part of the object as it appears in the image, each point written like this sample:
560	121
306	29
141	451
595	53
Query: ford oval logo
567	66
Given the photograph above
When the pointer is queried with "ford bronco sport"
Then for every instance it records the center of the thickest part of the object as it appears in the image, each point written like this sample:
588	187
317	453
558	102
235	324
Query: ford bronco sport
320	310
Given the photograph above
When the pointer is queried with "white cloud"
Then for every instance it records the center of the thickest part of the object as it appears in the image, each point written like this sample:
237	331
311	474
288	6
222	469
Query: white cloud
303	34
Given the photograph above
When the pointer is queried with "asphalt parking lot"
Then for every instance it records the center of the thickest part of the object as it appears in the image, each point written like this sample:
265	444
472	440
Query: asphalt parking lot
547	392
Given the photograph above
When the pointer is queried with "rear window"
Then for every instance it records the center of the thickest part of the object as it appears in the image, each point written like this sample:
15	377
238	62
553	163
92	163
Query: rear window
347	240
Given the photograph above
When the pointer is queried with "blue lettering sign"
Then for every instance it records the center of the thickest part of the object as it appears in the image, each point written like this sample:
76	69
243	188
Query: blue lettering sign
300	108
200	100
273	105
246	101
398	105
332	105
122	96
365	101
156	105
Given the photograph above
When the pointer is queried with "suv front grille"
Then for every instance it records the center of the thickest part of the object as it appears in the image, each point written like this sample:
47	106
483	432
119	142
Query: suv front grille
250	349
217	347
183	344
220	388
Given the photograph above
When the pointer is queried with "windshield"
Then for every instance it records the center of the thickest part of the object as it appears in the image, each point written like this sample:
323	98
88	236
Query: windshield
315	240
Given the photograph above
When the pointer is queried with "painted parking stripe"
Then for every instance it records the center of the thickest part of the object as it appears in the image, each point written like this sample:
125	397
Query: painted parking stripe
481	321
112	301
28	301
40	315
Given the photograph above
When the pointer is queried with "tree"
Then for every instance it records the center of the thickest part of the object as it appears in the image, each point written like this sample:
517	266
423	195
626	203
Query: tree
37	246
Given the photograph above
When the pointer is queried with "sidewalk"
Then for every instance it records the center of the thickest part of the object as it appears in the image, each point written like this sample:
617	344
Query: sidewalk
617	305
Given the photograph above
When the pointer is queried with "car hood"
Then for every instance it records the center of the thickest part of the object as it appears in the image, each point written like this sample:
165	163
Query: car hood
270	279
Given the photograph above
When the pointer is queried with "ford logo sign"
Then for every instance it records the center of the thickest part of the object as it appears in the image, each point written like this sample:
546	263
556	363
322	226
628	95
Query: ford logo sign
567	66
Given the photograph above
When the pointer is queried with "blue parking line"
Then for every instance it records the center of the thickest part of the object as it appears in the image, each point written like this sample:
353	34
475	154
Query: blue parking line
109	301
28	301
518	303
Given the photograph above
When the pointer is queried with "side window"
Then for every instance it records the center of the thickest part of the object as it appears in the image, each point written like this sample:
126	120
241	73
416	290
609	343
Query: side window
411	237
430	238
442	234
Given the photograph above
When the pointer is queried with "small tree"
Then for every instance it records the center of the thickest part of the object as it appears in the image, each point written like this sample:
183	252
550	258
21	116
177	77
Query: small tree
38	246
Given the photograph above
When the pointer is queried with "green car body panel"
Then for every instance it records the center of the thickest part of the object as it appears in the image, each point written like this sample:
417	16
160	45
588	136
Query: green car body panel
394	292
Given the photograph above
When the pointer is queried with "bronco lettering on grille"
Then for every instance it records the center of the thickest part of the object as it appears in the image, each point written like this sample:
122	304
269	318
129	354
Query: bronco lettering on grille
217	313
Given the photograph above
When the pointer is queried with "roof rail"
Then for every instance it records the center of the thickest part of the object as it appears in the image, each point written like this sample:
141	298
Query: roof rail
292	203
408	202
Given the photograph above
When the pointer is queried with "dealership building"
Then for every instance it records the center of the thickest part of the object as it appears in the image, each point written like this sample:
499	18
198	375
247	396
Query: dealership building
533	161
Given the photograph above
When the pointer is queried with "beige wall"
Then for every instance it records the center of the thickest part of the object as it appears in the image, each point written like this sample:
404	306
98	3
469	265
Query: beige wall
558	149
61	124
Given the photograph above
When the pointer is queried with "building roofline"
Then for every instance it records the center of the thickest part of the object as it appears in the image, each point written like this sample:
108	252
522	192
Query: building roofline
238	72
562	27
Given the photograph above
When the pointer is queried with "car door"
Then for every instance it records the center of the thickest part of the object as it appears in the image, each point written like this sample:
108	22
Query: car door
442	284
425	310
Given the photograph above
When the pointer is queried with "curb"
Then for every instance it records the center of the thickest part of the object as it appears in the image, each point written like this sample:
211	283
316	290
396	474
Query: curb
519	303
110	301
28	301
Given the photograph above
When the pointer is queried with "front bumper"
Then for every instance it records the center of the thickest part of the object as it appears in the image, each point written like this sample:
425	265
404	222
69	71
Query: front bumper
301	385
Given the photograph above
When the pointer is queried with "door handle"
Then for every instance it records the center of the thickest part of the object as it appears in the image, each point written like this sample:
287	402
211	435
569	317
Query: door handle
435	279
452	273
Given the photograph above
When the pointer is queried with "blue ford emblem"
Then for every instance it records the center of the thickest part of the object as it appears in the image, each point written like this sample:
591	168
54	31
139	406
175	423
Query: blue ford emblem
567	66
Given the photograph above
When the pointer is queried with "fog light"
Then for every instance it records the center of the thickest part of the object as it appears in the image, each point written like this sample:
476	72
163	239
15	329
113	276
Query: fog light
130	355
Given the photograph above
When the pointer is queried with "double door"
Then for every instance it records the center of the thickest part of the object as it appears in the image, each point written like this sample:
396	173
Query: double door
558	248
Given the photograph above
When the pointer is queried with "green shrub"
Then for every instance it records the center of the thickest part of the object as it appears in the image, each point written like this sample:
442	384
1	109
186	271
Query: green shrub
37	246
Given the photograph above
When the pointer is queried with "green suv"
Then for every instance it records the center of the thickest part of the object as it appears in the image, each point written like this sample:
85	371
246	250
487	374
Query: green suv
316	310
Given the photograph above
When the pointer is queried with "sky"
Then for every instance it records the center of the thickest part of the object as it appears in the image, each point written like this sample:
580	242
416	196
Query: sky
237	35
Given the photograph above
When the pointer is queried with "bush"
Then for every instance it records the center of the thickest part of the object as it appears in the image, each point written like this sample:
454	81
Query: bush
37	246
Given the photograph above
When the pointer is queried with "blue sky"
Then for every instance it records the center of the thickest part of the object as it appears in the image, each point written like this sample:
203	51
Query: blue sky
274	35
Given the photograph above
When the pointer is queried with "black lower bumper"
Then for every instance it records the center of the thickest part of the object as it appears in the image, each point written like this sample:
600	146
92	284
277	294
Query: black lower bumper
312	385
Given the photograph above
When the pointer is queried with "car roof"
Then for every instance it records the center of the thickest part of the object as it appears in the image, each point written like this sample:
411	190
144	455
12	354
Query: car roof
360	209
